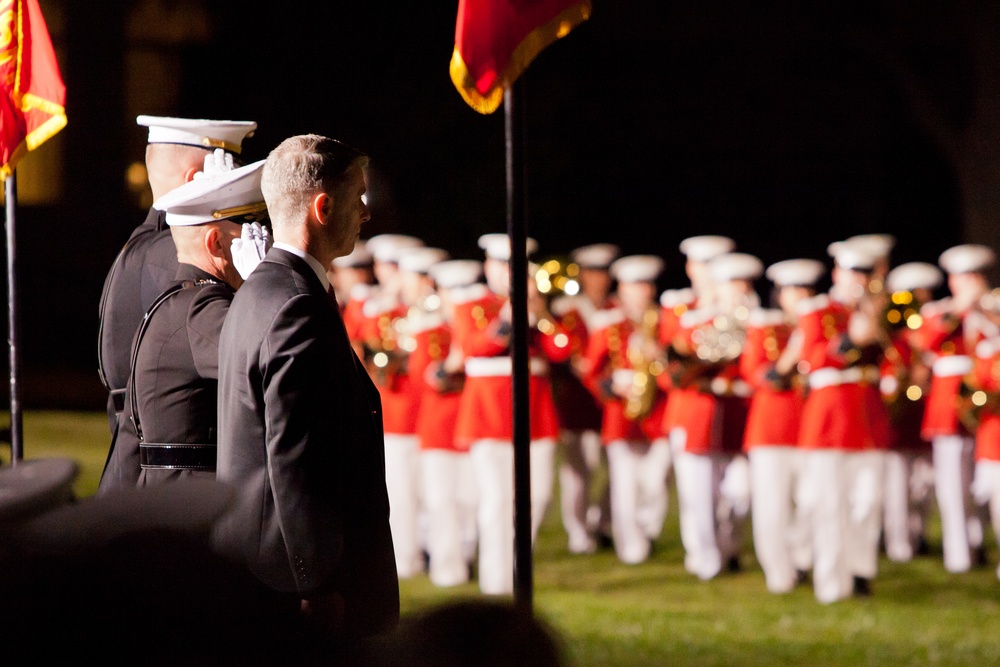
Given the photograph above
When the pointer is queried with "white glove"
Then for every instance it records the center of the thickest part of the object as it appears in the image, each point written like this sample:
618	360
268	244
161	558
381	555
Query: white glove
983	483
735	485
250	248
216	162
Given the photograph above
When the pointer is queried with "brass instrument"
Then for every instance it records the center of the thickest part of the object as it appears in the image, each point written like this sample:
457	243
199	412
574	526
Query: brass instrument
722	340
641	394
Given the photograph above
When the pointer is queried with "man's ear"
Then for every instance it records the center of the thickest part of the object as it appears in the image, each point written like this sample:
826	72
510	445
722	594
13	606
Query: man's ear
214	242
320	206
189	174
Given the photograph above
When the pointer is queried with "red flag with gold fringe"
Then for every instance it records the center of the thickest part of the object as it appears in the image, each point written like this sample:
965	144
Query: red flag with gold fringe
496	40
32	104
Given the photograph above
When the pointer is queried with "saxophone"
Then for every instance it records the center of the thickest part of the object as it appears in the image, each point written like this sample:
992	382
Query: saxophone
641	394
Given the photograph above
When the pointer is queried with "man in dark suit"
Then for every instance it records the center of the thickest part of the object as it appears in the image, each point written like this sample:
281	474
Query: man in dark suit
300	423
170	399
147	263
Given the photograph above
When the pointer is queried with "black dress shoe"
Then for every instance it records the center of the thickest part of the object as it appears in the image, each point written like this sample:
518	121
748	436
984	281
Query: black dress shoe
980	556
923	548
801	577
604	541
862	587
733	564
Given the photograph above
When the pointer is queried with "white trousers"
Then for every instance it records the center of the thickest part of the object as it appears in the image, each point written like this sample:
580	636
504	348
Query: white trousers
960	528
909	479
713	501
493	466
402	483
450	502
637	477
581	457
864	478
773	471
823	499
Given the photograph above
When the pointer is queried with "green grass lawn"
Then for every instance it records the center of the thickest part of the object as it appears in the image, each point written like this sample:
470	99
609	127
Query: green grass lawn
655	613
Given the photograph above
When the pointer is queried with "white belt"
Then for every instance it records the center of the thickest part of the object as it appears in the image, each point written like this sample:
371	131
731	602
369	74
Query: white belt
501	366
726	387
830	377
952	365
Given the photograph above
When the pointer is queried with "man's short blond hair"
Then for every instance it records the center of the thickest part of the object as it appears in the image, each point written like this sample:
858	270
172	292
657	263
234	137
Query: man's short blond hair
299	168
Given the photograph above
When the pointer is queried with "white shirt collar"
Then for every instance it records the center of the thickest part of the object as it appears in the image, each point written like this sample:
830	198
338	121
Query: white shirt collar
310	260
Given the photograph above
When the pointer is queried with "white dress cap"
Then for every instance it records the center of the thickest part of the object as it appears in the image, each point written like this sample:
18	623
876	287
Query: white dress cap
704	248
209	134
967	258
595	256
497	246
735	266
795	272
420	259
456	272
358	257
637	268
230	194
914	275
879	245
388	247
852	256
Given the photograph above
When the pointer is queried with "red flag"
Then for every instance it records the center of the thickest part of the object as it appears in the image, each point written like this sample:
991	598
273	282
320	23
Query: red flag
496	40
33	95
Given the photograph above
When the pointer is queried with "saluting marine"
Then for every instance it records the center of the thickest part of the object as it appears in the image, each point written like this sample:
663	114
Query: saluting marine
171	397
176	150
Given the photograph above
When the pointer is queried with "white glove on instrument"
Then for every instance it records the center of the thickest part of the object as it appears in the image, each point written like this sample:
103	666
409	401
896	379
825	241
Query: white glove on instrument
250	248
217	162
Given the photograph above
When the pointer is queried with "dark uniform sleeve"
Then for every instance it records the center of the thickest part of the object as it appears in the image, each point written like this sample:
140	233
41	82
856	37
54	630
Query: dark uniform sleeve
204	324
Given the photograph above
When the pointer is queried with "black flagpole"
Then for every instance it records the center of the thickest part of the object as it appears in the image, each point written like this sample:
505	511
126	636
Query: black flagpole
16	453
513	105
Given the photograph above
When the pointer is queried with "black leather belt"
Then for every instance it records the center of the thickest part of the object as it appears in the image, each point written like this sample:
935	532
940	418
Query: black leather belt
118	398
177	456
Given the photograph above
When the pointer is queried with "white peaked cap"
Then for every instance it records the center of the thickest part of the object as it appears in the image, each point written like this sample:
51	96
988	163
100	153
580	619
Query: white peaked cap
456	272
208	134
879	245
967	258
914	275
595	256
388	247
795	272
704	248
358	257
735	266
497	246
852	256
229	194
420	259
637	268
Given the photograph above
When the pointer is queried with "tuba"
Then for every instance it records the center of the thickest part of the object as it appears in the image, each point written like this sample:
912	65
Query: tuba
641	394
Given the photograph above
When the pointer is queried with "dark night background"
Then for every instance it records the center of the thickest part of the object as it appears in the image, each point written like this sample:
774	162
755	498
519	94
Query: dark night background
786	125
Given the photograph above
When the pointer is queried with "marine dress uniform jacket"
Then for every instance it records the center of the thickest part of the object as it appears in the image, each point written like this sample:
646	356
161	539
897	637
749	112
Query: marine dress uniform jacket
144	267
300	437
176	376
